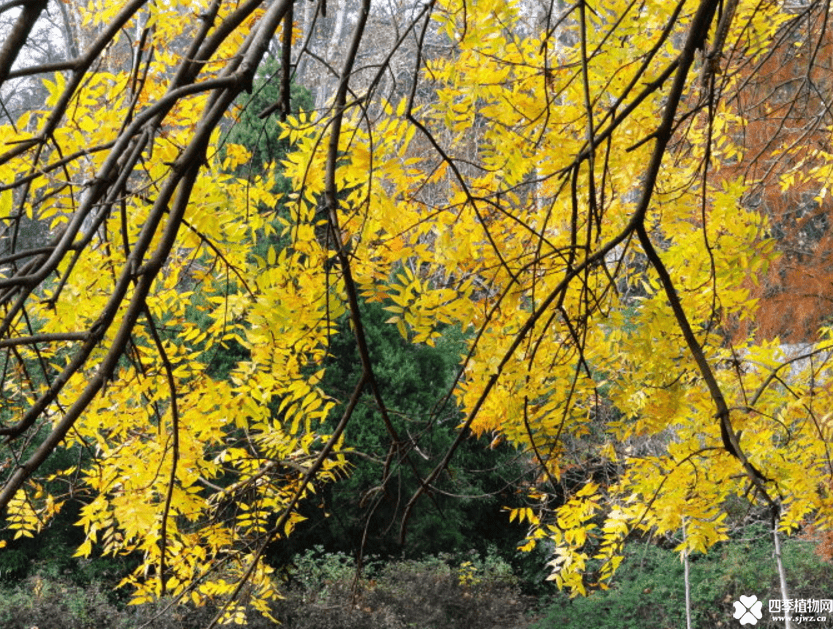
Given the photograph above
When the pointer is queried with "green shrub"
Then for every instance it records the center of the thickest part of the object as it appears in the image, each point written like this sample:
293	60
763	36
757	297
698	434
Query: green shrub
13	564
39	602
650	592
432	593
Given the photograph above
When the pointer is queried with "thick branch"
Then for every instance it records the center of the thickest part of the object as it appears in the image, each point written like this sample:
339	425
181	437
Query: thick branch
16	40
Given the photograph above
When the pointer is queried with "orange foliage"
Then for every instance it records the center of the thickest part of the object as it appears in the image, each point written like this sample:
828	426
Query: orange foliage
785	101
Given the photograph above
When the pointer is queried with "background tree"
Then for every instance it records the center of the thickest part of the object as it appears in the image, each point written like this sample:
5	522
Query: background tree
357	515
464	510
784	110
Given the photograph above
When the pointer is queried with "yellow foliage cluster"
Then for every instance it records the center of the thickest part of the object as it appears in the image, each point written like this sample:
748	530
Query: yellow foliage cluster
576	354
523	202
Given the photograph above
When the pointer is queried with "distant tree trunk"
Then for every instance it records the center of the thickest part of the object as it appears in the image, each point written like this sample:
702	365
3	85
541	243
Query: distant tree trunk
327	81
687	580
782	577
70	31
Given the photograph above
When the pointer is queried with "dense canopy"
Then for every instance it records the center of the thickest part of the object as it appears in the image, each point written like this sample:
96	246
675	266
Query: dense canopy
588	194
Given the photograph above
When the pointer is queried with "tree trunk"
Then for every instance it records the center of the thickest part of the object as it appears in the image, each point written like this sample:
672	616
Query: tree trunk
782	577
